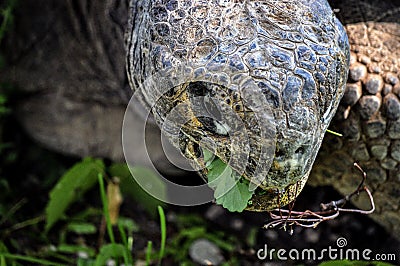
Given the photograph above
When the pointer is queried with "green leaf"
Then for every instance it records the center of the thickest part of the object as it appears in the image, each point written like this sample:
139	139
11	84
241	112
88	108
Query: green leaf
110	251
221	241
3	99
3	247
87	213
229	191
72	249
218	171
128	224
6	17
84	262
81	228
120	170
251	238
236	198
2	261
208	156
73	184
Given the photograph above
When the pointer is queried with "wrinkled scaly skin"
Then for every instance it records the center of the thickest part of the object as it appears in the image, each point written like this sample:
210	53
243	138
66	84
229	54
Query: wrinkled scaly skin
69	57
296	53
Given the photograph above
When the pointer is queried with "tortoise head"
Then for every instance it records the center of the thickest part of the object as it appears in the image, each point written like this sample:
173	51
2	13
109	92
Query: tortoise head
256	82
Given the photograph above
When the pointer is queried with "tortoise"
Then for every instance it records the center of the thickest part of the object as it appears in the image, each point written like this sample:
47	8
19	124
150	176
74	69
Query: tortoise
258	80
71	61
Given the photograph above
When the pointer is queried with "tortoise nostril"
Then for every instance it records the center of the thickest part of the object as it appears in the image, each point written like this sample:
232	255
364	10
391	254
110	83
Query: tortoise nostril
197	88
279	153
300	150
170	92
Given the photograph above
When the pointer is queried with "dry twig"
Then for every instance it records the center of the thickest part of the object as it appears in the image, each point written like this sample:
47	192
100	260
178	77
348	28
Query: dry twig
329	211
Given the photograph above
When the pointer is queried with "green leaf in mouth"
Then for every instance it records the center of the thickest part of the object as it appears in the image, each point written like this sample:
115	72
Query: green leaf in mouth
230	190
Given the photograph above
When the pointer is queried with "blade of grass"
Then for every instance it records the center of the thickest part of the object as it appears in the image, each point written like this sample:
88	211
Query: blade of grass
130	243
334	133
115	251
126	258
123	235
30	259
60	257
126	244
7	17
148	252
105	208
163	225
13	210
26	223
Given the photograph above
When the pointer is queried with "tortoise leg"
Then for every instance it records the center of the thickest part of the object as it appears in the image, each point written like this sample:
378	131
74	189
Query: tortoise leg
67	59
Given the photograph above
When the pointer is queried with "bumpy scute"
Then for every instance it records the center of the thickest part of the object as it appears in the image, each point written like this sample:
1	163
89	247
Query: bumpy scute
369	114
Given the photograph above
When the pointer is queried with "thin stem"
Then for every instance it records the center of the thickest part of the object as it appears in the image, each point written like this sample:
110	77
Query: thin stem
26	223
13	210
329	211
334	133
148	252
29	259
105	208
163	233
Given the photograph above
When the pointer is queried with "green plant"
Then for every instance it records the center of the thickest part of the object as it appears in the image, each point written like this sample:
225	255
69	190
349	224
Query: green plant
4	110
111	250
7	152
105	208
72	185
192	227
29	259
148	252
6	13
334	133
6	19
230	190
150	256
163	225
